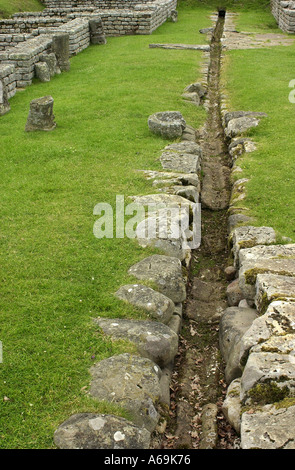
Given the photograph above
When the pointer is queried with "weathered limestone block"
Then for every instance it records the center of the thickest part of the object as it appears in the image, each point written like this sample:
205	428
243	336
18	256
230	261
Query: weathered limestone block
164	178
97	35
167	124
163	201
270	287
42	72
166	272
235	220
273	259
157	305
196	88
239	125
185	147
166	229
4	103
278	322
132	382
193	97
233	324
231	406
228	116
153	340
61	48
249	236
41	117
268	428
268	377
51	61
185	162
98	431
209	434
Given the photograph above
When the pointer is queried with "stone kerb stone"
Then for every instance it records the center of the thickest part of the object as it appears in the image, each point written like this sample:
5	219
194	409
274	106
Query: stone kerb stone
153	340
132	382
157	305
272	259
165	272
99	431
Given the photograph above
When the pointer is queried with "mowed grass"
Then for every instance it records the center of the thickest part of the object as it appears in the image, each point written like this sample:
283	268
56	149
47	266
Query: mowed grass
55	275
8	7
258	80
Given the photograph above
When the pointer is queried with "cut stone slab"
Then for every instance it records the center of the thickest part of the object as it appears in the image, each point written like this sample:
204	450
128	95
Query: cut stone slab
162	201
185	162
272	259
268	377
99	431
268	428
249	236
41	117
51	61
42	72
228	116
185	147
169	178
157	305
196	88
233	324
270	287
167	124
277	322
166	272
232	405
209	435
132	382
193	97
239	125
167	230
153	340
197	47
61	49
235	220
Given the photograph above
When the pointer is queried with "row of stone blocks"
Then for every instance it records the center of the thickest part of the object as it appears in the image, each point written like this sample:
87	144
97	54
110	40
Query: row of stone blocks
257	331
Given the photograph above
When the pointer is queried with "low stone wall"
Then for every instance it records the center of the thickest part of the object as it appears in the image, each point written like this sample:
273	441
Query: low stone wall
78	31
29	24
284	13
8	79
11	40
24	57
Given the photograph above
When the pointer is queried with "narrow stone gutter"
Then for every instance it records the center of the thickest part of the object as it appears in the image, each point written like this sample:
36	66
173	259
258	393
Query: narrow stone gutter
196	418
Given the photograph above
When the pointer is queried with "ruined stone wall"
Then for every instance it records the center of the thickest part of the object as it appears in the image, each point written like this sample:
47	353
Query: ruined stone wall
8	79
79	34
284	13
24	56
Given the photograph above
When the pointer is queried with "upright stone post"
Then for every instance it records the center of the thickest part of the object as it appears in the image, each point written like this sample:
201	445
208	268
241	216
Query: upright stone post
41	117
61	48
174	16
4	104
97	35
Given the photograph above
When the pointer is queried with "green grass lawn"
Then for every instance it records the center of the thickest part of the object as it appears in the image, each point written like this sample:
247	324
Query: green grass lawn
55	275
258	80
8	7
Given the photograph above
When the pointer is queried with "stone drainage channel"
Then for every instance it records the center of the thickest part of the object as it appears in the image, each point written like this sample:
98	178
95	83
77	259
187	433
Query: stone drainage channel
198	388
